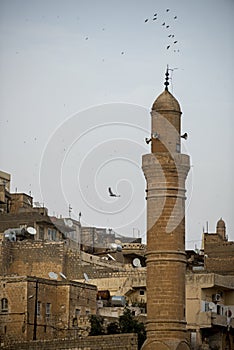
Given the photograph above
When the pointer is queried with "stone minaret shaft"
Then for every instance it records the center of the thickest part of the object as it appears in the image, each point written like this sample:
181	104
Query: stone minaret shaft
165	170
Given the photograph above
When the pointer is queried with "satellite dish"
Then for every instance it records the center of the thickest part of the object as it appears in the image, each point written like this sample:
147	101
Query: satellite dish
119	248
112	258
31	230
53	275
86	277
136	262
117	241
69	223
62	275
212	306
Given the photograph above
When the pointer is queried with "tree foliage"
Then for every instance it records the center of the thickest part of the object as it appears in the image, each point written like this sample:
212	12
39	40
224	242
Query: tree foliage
97	327
126	324
113	328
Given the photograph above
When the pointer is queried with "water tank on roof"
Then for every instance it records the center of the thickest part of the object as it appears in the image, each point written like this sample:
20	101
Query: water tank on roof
118	300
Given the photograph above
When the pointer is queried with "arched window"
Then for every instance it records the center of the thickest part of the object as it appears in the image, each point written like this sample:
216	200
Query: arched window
4	305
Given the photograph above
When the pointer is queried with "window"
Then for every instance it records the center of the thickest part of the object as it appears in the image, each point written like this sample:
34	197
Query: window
77	312
48	309
4	305
178	147
74	322
87	312
207	307
38	308
41	232
52	234
142	292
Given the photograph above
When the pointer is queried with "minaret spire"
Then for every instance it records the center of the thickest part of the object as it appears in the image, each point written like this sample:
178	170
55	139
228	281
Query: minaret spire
167	78
165	170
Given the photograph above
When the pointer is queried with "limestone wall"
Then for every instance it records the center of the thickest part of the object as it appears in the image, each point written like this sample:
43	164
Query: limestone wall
114	342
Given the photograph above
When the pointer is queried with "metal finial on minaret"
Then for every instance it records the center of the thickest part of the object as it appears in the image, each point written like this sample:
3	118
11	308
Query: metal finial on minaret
166	79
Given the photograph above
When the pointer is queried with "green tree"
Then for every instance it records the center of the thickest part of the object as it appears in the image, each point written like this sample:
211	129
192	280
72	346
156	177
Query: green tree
113	328
97	327
128	324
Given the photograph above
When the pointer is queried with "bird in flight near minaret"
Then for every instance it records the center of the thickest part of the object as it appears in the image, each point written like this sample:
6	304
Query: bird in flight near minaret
112	194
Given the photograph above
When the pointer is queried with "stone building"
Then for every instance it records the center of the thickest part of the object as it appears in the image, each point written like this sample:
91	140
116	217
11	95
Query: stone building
5	180
218	251
210	293
35	308
210	310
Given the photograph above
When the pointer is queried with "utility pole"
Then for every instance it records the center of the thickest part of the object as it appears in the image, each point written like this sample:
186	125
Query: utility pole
35	314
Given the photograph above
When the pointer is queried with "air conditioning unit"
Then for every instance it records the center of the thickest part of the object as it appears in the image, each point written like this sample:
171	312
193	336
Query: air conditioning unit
216	297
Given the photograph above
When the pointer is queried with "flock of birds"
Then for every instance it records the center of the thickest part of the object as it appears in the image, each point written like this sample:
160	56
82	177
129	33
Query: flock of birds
173	41
167	26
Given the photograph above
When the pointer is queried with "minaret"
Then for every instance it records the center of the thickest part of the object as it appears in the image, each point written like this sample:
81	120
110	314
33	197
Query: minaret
165	170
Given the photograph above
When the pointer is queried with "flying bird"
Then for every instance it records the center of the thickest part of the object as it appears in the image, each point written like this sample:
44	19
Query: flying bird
169	36
184	136
148	140
168	46
154	18
175	42
167	10
155	14
146	20
163	24
167	26
111	193
175	17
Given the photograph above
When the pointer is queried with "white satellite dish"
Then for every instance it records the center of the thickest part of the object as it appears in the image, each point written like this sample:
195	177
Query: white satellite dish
31	230
113	246
69	223
110	256
62	275
86	277
53	275
212	306
136	262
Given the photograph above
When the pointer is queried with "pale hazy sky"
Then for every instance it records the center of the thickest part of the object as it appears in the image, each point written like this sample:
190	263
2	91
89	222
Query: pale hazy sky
78	79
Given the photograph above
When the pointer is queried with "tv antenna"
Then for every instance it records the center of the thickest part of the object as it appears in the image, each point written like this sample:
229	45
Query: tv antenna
69	210
172	70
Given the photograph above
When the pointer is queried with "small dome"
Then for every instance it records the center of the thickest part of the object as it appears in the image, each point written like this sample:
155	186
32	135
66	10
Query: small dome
166	102
221	223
